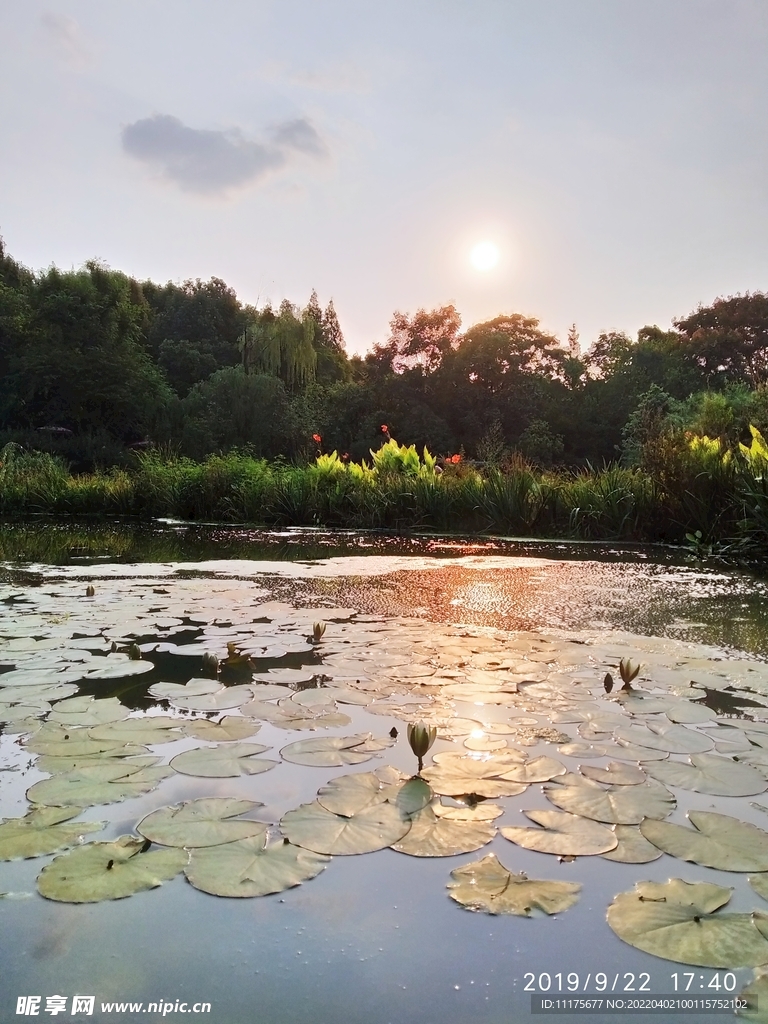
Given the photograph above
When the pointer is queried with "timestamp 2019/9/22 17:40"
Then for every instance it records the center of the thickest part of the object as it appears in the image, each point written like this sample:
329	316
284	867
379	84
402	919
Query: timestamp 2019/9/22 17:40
608	981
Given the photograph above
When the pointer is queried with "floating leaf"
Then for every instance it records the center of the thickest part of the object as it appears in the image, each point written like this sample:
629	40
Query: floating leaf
207	821
473	812
108	871
412	796
633	847
685	712
708	773
620	805
615	774
102	784
221	700
674	739
193	688
327	751
349	794
562	833
458	775
41	832
147	729
755	995
576	749
230	728
373	828
539	769
88	711
632	752
716	841
488	887
249	867
760	884
120	669
223	761
677	920
431	835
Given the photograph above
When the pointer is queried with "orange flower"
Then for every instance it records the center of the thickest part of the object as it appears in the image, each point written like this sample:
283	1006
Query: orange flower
317	438
456	458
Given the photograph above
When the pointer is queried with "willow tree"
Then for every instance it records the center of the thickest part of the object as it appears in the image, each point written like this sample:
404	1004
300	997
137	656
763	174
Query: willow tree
281	345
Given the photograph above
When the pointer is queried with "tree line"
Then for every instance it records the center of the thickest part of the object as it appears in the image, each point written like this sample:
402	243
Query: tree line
95	365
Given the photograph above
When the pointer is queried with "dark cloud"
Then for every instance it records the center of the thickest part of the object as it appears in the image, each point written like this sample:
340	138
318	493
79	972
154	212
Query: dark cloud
300	135
212	162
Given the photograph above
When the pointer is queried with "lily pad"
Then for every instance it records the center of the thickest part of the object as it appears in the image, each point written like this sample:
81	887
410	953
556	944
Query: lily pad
327	751
92	785
458	775
716	841
674	739
469	812
250	867
488	887
431	835
224	699
230	728
75	711
760	884
349	794
207	821
121	669
314	827
614	774
108	871
42	831
223	761
633	847
618	805
678	920
192	688
539	769
708	773
147	729
568	835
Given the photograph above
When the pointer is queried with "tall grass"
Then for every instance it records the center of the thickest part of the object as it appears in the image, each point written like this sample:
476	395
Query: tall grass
725	499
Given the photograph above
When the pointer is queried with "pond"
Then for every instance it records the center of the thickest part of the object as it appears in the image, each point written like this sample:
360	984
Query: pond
113	707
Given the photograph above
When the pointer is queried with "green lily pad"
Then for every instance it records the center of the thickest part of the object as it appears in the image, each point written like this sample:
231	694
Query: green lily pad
316	828
120	669
229	729
632	752
41	832
755	995
614	774
619	805
54	765
633	847
327	751
60	741
760	884
102	784
413	795
349	794
249	867
108	871
224	699
476	812
223	761
488	887
678	920
148	729
685	712
431	835
458	775
673	739
567	835
716	841
708	773
207	821
539	769
192	688
87	711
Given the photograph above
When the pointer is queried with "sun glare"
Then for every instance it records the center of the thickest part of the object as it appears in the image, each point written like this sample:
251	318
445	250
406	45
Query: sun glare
484	256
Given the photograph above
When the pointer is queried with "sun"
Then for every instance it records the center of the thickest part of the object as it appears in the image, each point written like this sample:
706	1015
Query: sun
484	256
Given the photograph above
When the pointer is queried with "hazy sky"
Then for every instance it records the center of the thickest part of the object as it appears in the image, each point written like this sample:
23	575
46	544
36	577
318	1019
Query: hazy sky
615	151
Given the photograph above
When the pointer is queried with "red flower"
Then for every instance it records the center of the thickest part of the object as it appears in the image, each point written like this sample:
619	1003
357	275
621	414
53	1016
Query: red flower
345	457
384	428
455	458
317	438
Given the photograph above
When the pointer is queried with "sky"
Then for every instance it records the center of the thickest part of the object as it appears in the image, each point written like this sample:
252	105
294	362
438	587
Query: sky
614	152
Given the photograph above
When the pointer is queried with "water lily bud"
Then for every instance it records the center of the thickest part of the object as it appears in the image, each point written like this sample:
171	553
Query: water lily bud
421	738
90	591
318	629
134	652
210	665
628	671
